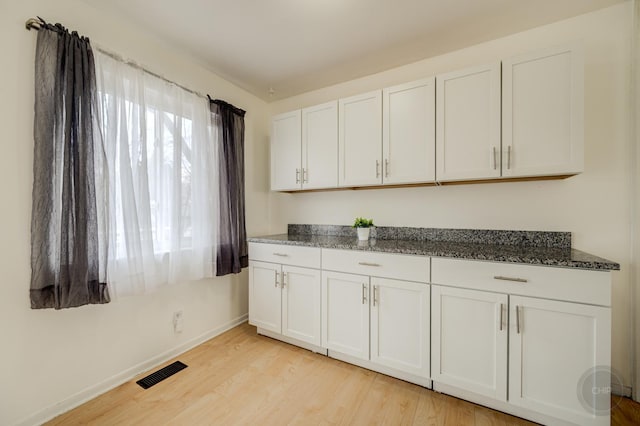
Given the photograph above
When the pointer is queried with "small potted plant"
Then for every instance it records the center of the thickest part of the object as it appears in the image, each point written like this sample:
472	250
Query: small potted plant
363	226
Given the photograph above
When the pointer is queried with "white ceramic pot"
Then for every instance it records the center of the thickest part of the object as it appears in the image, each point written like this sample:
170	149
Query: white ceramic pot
363	233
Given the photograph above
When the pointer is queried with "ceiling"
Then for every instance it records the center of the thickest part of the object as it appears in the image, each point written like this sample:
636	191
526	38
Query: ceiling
294	46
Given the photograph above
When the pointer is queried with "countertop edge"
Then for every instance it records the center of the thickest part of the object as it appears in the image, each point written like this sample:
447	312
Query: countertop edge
595	265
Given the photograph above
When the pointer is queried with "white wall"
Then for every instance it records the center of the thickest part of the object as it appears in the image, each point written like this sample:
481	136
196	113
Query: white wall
594	206
52	359
59	357
635	187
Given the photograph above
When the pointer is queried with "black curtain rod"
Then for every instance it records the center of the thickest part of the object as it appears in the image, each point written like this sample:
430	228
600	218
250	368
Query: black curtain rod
38	23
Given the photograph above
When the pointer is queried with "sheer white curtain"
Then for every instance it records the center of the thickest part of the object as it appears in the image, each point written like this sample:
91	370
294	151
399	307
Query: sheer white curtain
162	179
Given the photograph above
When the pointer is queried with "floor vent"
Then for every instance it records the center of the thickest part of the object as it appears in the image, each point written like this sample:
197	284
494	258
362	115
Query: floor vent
160	375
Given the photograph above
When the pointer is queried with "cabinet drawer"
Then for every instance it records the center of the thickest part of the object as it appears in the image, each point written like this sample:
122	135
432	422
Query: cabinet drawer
573	285
308	257
385	265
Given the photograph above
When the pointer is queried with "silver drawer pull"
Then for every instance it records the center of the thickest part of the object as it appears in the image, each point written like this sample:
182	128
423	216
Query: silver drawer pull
518	280
281	254
368	264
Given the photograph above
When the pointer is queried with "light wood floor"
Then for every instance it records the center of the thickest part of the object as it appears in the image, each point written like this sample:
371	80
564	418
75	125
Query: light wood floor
242	378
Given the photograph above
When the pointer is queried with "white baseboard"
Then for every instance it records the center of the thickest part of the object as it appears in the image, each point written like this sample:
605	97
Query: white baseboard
407	377
621	390
91	392
495	404
295	342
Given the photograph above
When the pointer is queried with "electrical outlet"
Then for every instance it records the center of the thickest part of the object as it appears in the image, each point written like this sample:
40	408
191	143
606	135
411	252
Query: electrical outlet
177	322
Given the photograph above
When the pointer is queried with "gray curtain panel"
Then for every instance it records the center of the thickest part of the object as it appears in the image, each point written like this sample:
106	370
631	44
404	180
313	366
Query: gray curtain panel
68	231
232	253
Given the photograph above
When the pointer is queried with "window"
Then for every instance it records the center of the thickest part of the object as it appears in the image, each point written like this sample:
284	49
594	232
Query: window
162	181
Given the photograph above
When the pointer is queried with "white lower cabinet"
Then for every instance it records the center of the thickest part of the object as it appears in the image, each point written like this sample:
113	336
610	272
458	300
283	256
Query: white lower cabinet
553	346
469	340
345	313
400	325
526	340
376	319
265	298
286	300
546	370
301	304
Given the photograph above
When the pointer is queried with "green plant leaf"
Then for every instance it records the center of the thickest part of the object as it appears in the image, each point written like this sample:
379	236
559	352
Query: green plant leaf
361	222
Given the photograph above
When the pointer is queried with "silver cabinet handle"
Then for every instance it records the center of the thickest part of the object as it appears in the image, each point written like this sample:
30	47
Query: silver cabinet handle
518	280
377	169
495	159
281	254
509	157
297	175
276	283
375	294
501	319
305	175
368	264
284	277
517	319
386	167
364	294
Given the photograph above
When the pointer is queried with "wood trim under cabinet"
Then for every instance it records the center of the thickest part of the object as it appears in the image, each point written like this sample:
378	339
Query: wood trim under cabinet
461	182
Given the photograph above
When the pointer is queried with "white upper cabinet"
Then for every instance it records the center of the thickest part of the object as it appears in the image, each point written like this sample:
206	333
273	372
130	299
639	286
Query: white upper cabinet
519	118
468	124
543	113
304	148
360	140
409	132
286	173
320	146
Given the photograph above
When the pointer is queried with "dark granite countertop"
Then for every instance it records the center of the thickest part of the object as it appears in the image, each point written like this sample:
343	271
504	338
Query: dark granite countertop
565	257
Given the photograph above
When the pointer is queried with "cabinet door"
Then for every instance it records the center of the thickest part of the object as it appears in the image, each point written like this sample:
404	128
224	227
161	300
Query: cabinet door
552	345
400	325
543	113
301	293
345	313
320	146
468	124
286	157
265	296
409	121
469	340
360	140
